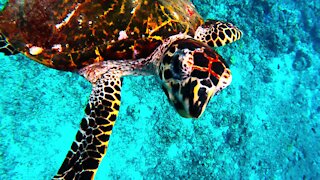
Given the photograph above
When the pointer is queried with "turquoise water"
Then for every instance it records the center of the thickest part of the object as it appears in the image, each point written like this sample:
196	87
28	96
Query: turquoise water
264	126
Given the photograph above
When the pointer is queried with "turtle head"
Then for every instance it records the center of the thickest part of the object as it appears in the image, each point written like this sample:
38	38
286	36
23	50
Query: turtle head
191	73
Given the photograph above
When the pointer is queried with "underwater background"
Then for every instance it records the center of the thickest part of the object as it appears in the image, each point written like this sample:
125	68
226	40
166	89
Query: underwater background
265	125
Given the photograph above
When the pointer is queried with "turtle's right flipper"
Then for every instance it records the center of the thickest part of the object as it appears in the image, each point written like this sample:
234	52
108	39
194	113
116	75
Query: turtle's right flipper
217	33
5	47
92	139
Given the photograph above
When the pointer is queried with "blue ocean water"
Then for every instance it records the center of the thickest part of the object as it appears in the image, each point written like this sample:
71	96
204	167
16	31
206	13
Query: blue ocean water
264	126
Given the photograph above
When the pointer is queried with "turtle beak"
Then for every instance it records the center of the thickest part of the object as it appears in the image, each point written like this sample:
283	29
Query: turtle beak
189	98
191	76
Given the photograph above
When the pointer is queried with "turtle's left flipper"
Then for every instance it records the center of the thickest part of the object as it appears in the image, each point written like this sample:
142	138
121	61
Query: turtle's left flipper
91	141
5	47
217	33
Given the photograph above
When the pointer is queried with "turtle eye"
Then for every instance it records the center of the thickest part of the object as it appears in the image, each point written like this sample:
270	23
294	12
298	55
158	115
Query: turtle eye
191	73
176	64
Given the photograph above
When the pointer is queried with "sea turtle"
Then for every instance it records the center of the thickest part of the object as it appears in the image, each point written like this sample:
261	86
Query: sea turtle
104	40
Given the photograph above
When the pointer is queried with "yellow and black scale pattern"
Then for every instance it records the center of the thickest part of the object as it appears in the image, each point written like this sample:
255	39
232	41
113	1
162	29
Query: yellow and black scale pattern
70	35
92	139
5	47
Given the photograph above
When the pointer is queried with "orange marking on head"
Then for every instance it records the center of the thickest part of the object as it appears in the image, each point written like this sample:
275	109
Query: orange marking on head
200	68
212	72
212	60
209	69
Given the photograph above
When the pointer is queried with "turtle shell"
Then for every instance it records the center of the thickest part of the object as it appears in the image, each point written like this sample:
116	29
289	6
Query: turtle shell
69	35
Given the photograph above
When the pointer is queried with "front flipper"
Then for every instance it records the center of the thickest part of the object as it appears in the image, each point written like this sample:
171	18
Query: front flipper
217	33
5	47
91	141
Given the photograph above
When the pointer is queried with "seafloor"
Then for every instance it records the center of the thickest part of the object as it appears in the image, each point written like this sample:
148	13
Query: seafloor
264	126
